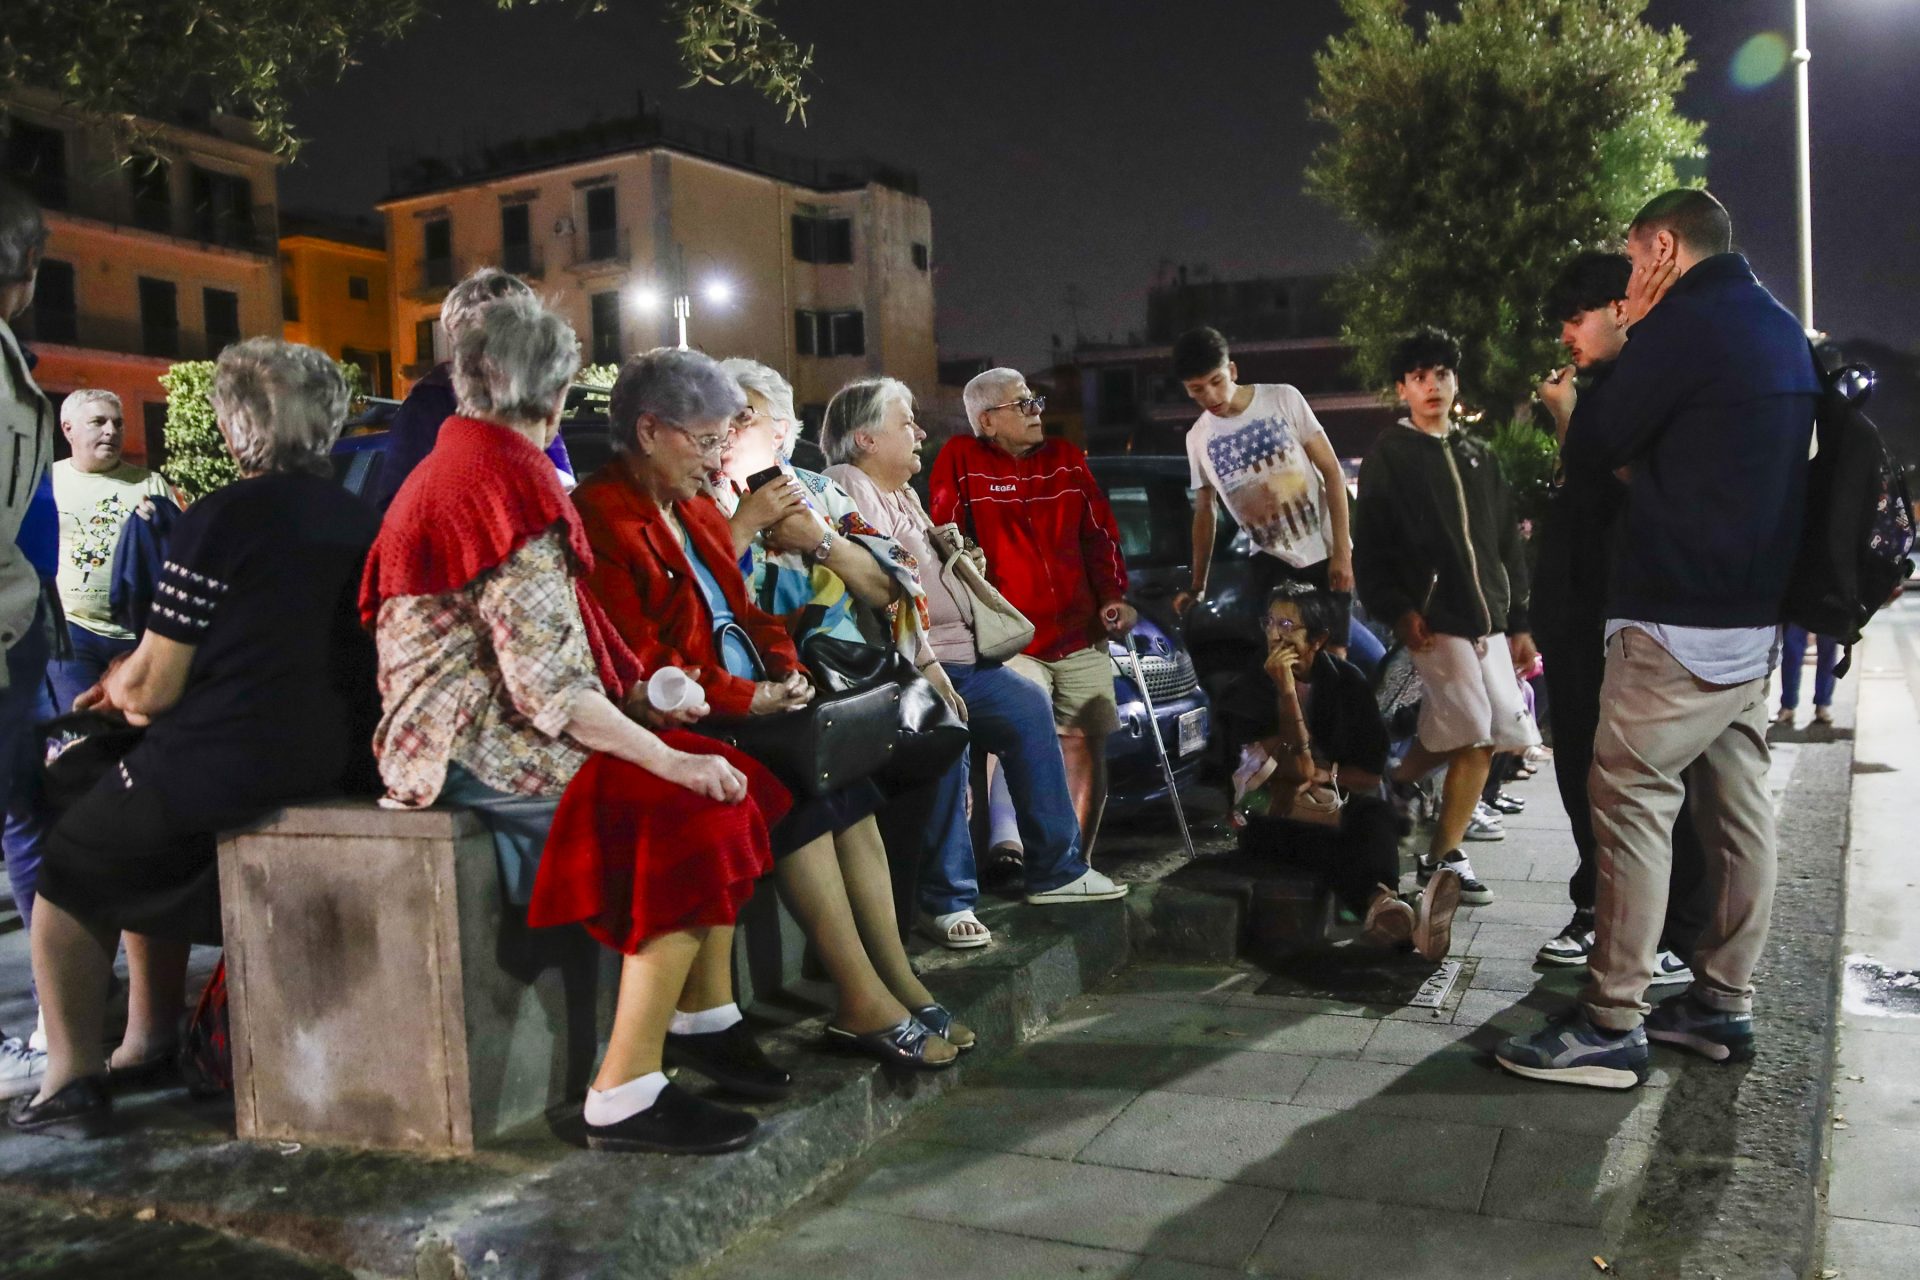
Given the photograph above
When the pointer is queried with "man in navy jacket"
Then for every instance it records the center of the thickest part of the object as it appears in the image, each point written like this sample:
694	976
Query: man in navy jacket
1708	415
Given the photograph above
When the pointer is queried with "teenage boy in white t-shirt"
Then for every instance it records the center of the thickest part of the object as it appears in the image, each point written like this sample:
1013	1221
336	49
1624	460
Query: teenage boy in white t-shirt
1260	450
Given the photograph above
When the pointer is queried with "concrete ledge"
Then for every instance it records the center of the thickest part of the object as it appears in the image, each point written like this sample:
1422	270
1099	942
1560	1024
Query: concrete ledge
536	1203
1733	1186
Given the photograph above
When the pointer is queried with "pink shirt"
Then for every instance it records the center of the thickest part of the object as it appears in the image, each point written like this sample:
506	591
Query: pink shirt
900	516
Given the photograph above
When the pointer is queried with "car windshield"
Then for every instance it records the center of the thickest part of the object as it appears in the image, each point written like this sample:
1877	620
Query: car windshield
1155	514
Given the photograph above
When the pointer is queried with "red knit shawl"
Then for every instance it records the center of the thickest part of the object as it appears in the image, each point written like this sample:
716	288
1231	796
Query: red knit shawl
481	493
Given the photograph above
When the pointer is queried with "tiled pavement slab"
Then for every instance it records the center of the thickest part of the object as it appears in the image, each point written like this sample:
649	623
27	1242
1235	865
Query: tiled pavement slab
1208	1121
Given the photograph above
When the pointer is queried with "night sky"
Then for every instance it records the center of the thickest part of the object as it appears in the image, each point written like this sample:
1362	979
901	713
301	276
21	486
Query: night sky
1070	148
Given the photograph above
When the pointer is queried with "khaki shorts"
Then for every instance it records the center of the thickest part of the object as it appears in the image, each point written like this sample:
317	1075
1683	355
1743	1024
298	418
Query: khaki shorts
1472	697
1080	687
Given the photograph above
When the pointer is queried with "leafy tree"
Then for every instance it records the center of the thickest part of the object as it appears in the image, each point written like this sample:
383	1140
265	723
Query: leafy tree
197	458
120	58
1481	150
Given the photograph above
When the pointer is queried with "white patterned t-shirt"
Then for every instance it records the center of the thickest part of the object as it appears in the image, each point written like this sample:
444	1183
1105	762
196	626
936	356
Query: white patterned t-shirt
1257	462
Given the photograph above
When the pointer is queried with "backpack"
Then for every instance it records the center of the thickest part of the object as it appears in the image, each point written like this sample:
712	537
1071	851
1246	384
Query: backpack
1859	520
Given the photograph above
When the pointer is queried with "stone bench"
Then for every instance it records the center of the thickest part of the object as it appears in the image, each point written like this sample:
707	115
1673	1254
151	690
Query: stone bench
383	993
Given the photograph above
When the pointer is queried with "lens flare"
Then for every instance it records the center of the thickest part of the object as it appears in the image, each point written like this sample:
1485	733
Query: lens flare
1760	60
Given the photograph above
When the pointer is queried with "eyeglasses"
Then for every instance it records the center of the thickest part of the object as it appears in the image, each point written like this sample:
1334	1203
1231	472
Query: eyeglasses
1032	404
1282	626
709	446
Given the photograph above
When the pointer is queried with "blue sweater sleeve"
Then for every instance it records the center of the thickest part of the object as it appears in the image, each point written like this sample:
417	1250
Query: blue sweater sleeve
1620	420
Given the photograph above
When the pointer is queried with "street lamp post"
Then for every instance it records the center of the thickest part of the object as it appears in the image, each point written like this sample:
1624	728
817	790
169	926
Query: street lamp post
1803	169
682	308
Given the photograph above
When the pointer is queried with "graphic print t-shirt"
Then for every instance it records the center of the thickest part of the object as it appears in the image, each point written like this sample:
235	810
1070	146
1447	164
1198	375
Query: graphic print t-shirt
93	506
1257	462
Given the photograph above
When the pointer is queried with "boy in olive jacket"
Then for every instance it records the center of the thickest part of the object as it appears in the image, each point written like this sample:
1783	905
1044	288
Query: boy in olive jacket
1436	552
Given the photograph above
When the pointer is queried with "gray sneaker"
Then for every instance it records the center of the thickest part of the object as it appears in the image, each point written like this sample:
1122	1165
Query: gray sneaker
1685	1022
1571	1050
21	1068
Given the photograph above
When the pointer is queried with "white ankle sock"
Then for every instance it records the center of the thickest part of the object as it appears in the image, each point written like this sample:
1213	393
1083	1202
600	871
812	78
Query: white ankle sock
705	1022
611	1106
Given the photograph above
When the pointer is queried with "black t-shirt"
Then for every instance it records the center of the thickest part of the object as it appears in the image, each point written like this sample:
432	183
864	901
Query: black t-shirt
263	578
1343	720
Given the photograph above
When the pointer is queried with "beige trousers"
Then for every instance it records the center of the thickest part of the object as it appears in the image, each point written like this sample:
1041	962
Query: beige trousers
1664	733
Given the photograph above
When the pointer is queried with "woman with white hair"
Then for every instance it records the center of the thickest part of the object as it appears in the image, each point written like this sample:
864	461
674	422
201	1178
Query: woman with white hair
507	691
256	687
431	401
873	442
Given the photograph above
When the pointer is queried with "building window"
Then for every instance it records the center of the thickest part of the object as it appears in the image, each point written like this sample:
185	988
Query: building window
56	311
37	159
222	310
223	208
824	240
159	318
1118	405
606	328
920	255
357	288
153	418
375	370
516	240
426	340
603	224
152	188
830	333
289	297
436	253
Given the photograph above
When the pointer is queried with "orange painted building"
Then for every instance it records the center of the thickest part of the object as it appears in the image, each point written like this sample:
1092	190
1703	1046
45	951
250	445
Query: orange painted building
166	254
333	281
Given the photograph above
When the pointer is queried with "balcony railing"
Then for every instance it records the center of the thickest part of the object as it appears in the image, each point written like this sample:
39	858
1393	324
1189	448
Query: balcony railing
603	245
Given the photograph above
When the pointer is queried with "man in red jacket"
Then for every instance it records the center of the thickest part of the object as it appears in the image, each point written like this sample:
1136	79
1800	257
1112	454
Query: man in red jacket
1053	549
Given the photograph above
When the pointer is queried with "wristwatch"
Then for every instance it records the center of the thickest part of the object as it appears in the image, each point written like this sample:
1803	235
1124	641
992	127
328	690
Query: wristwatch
820	553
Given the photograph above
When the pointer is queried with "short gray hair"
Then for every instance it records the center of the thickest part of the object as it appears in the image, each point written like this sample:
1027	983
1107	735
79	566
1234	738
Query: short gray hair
766	382
858	406
514	362
987	390
77	400
281	405
23	232
467	300
681	387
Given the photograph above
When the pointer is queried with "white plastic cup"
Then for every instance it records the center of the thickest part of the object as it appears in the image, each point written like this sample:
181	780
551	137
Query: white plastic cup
671	689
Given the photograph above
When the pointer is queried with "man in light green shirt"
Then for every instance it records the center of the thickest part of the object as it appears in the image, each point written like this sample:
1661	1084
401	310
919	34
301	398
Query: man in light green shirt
96	491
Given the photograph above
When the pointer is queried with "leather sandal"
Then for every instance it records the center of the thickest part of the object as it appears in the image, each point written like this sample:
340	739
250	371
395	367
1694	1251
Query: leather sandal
938	1019
902	1045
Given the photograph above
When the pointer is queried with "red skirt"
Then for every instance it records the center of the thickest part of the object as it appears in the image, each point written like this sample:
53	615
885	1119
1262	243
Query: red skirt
631	855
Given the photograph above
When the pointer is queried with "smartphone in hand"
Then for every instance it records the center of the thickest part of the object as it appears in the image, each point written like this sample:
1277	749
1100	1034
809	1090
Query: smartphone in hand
761	478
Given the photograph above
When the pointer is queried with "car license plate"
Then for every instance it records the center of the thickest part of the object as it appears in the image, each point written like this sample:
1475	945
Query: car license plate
1193	730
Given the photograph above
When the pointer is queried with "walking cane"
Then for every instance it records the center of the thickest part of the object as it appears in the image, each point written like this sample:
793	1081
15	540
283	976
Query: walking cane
1160	745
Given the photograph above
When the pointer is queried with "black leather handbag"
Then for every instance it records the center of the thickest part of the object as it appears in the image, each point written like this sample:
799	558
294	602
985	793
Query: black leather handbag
842	736
929	736
82	748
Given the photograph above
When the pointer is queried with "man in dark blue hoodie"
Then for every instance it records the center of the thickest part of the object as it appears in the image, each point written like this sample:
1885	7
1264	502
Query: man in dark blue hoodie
1708	415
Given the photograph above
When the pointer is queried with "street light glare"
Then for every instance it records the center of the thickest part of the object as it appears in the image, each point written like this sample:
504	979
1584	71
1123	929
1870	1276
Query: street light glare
718	291
645	297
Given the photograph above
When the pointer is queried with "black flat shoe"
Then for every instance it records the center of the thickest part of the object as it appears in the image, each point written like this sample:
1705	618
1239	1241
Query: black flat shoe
938	1019
162	1068
731	1059
81	1110
903	1044
678	1123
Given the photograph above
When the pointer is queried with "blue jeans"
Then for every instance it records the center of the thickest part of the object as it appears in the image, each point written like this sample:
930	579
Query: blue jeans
71	677
23	704
1010	717
1793	653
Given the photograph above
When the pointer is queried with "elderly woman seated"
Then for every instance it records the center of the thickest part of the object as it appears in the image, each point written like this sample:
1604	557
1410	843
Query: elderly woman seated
666	569
256	687
874	443
506	691
780	524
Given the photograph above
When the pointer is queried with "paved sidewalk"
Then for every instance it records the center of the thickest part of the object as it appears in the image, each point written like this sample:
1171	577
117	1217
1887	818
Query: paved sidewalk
1195	1122
1873	1227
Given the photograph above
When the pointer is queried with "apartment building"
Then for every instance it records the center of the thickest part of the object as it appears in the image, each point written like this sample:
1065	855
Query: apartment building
158	250
821	270
334	279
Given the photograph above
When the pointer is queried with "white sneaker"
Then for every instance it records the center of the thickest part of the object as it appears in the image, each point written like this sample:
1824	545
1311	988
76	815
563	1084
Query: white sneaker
21	1068
1668	967
1485	825
1091	887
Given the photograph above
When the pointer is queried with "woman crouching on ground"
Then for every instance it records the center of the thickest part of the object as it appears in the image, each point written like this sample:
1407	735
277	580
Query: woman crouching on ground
666	569
1308	787
506	692
257	688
